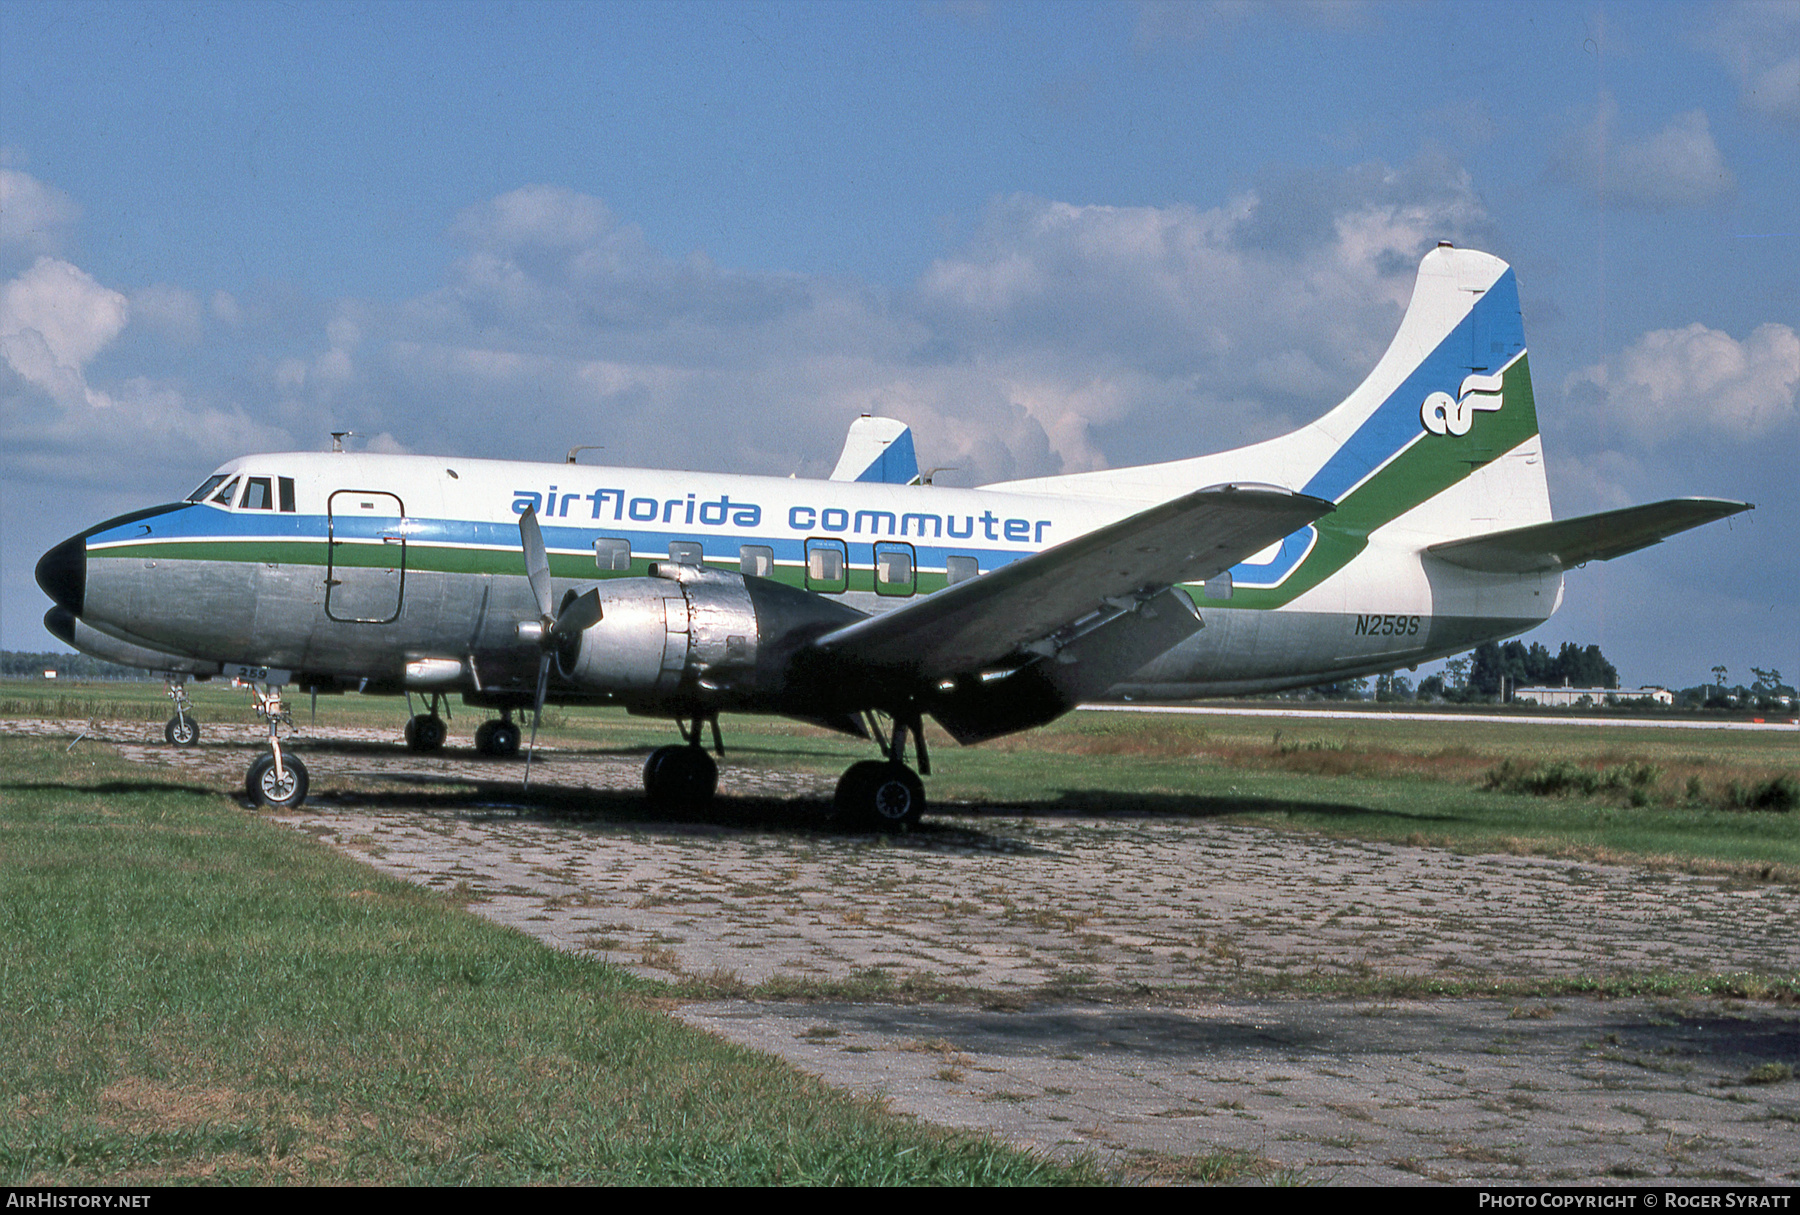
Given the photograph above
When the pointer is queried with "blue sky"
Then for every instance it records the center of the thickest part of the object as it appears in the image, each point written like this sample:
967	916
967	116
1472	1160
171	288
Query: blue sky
1051	237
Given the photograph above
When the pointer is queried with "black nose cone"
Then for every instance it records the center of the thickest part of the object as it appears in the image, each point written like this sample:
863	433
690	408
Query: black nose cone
62	572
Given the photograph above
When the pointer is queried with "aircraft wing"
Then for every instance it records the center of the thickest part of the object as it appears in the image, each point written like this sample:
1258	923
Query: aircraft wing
1568	542
964	627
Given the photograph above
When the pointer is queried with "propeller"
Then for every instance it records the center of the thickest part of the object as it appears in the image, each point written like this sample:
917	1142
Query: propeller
579	613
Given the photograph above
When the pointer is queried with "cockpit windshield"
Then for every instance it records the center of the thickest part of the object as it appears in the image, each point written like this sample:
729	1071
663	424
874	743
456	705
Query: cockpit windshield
206	487
259	493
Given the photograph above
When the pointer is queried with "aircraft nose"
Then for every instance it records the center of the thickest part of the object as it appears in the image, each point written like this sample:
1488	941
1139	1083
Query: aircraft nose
60	622
62	572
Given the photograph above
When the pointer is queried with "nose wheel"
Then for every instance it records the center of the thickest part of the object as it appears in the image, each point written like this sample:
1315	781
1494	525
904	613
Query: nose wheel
281	789
182	730
275	779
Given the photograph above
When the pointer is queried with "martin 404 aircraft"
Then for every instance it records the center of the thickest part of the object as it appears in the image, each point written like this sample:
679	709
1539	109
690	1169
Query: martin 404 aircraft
1411	522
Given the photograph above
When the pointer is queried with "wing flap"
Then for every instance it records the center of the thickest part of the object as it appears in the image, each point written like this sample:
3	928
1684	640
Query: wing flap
964	627
1569	542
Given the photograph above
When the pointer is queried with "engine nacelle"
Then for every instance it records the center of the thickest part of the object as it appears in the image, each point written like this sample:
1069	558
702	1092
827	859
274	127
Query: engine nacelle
706	636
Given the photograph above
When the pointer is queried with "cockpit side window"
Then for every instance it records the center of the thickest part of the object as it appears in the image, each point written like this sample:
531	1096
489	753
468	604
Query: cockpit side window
206	487
259	494
224	496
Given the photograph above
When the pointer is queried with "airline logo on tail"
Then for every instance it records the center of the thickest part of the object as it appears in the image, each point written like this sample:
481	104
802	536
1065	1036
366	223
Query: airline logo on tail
1442	415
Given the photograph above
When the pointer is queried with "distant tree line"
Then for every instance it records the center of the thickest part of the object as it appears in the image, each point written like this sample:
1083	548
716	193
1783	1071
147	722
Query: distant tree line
1481	675
31	664
1517	665
1766	691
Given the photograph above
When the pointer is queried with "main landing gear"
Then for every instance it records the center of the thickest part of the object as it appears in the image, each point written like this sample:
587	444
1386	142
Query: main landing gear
875	794
275	779
498	738
684	775
182	730
426	732
885	794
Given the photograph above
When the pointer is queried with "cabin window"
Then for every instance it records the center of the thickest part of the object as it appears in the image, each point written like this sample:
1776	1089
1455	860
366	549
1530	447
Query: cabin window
287	493
756	561
894	569
687	552
224	496
206	487
827	566
612	555
960	569
259	494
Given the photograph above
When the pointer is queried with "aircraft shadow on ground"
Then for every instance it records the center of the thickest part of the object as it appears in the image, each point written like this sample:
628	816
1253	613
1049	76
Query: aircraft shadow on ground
796	817
1108	803
108	788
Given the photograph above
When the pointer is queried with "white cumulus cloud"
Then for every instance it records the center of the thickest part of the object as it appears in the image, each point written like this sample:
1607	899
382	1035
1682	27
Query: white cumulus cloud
1760	44
1673	383
35	218
53	319
1678	166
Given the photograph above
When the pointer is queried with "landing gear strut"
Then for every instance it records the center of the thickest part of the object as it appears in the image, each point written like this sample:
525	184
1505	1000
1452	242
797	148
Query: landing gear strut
182	730
275	779
426	732
885	794
684	775
498	738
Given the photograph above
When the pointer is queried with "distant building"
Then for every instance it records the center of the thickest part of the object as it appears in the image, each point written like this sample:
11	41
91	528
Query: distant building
1567	697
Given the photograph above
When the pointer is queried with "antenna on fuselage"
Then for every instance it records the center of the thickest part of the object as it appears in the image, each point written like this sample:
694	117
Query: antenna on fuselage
338	437
570	458
928	474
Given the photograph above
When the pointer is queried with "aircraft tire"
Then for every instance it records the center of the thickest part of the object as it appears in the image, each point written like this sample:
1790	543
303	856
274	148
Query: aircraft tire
425	733
498	739
266	790
883	796
182	731
680	776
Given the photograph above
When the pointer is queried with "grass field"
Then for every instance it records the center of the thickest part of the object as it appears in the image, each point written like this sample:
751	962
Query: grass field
1708	800
189	993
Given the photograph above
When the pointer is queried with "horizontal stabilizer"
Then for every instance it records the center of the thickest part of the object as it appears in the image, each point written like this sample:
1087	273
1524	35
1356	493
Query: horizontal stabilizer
973	623
1570	542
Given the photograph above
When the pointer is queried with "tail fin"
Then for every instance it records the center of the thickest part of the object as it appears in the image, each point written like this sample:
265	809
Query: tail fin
878	449
1451	396
1441	440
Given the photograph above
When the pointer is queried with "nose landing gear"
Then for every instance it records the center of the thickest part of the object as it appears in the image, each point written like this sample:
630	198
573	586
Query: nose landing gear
275	779
182	730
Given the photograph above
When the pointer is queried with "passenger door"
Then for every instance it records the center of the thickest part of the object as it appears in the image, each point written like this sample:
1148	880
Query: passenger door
365	580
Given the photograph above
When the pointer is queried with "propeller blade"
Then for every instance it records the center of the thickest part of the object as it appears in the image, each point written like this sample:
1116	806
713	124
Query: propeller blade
537	564
578	615
537	711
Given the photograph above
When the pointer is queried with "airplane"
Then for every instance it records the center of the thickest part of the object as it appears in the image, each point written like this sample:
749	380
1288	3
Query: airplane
1410	522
